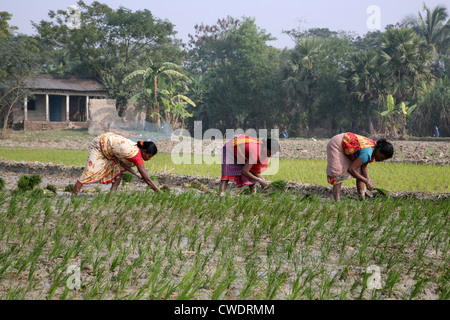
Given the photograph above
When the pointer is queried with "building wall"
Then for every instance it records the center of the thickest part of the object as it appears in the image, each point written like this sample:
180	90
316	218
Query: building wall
39	113
104	116
53	125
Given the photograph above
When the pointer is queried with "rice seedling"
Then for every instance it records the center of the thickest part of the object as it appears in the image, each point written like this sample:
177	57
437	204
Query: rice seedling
142	245
127	177
69	188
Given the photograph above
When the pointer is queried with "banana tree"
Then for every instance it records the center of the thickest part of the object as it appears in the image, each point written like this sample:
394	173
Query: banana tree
149	82
175	106
396	116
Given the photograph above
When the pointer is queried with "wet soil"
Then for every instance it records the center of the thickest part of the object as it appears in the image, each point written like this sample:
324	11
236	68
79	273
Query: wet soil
61	176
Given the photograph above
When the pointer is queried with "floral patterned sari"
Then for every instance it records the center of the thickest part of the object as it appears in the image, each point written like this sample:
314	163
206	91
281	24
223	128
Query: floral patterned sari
107	154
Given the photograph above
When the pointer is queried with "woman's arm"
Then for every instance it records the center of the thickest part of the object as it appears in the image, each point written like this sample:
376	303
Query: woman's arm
146	178
363	176
364	171
129	169
246	172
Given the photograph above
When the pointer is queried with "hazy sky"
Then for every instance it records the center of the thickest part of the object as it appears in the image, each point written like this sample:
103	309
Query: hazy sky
274	16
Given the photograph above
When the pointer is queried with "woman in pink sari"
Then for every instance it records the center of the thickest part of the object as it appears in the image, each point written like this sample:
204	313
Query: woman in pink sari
110	155
347	157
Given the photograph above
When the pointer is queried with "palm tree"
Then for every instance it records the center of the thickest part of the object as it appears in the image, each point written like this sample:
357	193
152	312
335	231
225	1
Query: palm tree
433	28
364	80
407	63
299	75
149	81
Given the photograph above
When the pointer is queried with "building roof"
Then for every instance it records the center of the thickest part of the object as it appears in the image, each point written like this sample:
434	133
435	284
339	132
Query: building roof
65	83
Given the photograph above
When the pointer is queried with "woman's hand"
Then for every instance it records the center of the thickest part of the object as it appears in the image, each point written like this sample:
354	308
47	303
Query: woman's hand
370	185
263	182
146	178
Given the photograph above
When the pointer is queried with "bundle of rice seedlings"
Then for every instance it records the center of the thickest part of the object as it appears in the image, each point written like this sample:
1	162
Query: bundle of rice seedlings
51	188
165	188
26	183
382	192
277	184
69	188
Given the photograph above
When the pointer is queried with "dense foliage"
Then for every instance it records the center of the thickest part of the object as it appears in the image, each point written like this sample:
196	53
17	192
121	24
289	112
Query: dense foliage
390	82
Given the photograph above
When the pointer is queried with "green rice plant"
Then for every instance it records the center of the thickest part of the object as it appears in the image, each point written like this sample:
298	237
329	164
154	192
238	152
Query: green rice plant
275	278
124	276
57	281
131	243
226	281
35	180
193	280
5	262
325	284
2	183
252	269
297	285
443	285
38	192
16	293
127	177
417	287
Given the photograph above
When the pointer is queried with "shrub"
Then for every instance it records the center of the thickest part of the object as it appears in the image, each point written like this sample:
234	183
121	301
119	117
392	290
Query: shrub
2	183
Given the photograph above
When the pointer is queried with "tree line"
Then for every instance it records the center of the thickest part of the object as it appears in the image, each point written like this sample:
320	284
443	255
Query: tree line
393	82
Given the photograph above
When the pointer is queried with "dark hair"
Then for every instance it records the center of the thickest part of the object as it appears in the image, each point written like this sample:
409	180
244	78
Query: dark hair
385	147
272	145
148	146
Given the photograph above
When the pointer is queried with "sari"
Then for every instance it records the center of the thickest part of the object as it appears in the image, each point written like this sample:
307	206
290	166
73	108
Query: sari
234	155
341	151
107	154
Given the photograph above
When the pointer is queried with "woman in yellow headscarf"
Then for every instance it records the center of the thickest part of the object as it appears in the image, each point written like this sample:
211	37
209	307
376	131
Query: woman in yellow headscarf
110	155
348	155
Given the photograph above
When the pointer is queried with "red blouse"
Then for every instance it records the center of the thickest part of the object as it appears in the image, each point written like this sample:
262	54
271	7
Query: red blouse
137	159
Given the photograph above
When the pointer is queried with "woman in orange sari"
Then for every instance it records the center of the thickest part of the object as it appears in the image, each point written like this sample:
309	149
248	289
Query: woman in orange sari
244	158
110	155
348	155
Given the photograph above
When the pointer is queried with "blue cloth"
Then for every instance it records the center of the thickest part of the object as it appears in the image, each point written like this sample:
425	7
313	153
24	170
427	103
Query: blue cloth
364	154
436	132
